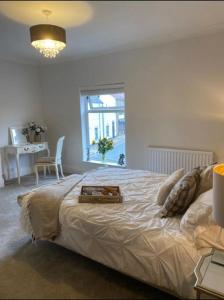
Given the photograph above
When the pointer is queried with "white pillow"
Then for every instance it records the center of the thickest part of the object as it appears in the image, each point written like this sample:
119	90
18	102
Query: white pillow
167	185
206	180
199	213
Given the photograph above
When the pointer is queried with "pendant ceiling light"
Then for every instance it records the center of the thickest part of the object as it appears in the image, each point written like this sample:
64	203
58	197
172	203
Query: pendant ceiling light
48	39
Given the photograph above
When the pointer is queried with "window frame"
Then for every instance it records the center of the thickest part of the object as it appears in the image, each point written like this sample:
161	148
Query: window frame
83	93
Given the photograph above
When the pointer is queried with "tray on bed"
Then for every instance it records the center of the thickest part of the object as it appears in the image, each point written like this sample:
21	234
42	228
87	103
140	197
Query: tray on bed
100	194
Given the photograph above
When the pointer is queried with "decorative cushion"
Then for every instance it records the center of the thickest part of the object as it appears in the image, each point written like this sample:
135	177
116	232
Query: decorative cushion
206	179
167	185
182	194
49	160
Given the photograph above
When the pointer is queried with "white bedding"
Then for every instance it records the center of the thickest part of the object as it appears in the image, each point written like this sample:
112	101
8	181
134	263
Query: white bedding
129	237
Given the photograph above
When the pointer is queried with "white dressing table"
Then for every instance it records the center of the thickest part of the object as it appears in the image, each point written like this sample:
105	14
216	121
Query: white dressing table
20	149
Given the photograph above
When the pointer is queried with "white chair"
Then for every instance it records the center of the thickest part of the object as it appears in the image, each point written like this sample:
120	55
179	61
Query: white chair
50	161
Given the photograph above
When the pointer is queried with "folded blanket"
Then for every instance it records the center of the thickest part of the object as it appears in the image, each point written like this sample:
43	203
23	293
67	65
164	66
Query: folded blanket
209	236
42	206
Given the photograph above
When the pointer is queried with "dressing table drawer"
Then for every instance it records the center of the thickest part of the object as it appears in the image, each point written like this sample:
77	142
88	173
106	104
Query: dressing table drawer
28	149
32	148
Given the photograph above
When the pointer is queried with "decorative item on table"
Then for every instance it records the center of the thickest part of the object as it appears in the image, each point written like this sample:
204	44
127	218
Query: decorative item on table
25	131
104	145
33	132
218	207
100	194
121	160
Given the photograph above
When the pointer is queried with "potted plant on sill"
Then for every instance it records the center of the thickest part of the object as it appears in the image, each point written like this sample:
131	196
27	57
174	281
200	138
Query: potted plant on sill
104	145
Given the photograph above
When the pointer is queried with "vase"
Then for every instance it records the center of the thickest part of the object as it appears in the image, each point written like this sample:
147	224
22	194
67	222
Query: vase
31	137
28	138
103	157
37	138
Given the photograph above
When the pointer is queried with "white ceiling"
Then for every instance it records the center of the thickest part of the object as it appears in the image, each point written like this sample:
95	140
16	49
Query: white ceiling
99	27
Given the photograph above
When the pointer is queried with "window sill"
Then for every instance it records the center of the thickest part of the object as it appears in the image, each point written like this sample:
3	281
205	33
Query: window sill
104	163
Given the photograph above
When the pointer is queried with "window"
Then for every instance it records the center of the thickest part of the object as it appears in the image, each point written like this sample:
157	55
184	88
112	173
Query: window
103	115
96	134
107	131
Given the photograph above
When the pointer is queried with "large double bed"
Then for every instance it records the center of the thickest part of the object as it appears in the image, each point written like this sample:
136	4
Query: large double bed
130	236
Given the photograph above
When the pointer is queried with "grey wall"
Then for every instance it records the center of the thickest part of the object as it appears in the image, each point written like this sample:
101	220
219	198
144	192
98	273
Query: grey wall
20	102
174	97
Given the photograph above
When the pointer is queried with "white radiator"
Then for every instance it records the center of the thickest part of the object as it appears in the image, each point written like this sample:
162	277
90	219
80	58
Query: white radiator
166	161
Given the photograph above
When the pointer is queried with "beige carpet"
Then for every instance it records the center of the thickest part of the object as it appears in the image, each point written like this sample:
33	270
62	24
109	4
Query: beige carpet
47	271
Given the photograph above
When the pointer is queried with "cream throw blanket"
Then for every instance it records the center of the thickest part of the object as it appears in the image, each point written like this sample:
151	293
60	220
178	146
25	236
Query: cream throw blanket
41	206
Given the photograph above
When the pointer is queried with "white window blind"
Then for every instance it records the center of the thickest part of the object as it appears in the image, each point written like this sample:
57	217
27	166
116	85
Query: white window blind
102	90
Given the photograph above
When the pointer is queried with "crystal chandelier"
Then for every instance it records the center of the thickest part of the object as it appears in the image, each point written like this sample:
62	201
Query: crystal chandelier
48	39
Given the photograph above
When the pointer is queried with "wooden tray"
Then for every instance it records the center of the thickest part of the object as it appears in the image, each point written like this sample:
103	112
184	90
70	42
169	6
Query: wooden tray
100	194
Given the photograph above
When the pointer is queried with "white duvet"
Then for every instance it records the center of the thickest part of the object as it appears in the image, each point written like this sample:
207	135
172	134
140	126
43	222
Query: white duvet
129	237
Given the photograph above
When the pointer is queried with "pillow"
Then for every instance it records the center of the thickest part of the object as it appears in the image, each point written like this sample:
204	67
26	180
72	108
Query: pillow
167	186
199	213
206	180
182	194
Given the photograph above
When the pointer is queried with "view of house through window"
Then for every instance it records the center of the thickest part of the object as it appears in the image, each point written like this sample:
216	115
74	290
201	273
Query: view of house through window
103	120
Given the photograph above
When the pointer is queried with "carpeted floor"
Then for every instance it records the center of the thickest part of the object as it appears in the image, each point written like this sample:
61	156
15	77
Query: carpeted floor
47	271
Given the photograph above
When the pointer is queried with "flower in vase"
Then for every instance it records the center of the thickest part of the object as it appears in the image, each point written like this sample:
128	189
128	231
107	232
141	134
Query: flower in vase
105	145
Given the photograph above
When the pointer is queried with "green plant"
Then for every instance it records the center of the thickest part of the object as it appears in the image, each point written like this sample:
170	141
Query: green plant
104	145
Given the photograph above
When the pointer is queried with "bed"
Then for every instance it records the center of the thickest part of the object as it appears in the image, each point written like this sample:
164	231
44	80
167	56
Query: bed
130	237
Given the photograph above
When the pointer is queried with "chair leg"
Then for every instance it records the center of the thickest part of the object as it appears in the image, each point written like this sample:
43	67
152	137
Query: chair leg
56	171
37	175
49	170
44	171
61	170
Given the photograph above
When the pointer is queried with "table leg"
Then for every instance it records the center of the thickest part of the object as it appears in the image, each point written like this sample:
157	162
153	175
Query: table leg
48	151
198	295
7	164
37	175
44	171
48	167
18	167
33	160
